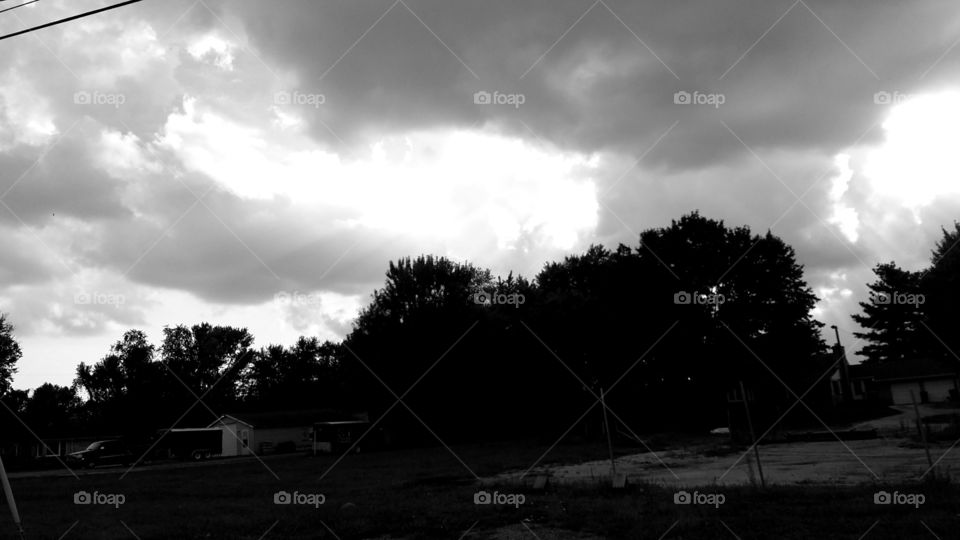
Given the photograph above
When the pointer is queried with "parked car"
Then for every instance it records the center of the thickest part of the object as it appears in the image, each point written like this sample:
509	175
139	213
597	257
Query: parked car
110	452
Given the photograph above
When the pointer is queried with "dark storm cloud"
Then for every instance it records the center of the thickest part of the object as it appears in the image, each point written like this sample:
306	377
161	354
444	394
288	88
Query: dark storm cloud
230	250
46	184
808	84
597	77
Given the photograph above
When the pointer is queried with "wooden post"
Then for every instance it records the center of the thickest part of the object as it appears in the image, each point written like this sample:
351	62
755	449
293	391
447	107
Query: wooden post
606	427
8	493
923	432
753	436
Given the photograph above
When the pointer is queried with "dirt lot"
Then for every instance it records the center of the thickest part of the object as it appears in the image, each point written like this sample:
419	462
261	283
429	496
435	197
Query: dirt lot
427	493
890	458
834	463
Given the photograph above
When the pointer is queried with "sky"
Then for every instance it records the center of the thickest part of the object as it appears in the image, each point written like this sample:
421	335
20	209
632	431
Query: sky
259	163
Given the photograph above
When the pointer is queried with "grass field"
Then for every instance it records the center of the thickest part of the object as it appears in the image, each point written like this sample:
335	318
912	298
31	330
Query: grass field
428	493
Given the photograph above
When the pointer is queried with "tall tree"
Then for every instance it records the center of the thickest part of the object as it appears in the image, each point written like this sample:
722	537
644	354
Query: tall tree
124	387
303	376
426	307
891	319
205	362
743	312
52	410
203	354
9	354
941	290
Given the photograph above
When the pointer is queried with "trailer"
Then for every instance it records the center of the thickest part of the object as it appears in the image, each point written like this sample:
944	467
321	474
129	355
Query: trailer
338	436
193	443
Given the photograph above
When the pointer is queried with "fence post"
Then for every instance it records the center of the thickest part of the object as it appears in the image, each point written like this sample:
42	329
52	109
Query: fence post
606	427
923	433
753	436
8	493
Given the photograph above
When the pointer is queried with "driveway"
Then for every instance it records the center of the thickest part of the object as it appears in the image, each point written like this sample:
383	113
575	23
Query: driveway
906	419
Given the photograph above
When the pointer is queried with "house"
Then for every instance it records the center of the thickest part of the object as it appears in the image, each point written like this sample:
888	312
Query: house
927	379
272	432
51	446
848	382
851	382
862	382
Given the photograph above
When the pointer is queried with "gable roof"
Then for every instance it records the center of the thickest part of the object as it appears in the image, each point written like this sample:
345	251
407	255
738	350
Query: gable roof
917	368
297	418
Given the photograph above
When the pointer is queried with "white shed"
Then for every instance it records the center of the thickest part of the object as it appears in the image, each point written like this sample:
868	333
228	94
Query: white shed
265	433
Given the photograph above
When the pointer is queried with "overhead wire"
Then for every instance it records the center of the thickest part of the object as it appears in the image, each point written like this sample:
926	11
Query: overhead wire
18	6
67	19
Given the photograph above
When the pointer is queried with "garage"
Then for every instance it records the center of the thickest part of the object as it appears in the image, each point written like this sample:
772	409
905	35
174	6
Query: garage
926	381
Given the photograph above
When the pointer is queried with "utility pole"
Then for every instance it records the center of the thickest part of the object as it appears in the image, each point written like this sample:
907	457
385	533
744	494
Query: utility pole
846	388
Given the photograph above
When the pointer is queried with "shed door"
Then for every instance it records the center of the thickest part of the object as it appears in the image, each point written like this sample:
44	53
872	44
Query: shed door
229	444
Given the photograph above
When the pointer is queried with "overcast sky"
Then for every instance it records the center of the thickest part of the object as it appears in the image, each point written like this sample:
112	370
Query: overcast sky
259	163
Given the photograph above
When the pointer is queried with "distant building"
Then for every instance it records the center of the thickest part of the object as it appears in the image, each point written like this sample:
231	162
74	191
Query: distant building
271	432
852	382
843	389
52	446
891	382
929	379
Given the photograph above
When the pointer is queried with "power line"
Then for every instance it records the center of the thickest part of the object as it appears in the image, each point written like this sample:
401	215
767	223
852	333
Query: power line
15	7
68	19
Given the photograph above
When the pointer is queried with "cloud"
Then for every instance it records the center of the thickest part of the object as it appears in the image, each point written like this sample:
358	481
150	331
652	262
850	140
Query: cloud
202	157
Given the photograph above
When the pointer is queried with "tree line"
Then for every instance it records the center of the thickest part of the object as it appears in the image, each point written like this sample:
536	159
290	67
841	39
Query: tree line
666	329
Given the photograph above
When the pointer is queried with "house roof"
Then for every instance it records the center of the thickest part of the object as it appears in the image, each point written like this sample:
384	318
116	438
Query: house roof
278	419
918	368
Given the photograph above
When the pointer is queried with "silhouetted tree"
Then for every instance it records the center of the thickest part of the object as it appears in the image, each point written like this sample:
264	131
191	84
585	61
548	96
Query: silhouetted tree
9	354
52	410
422	314
941	290
893	327
206	362
125	388
306	375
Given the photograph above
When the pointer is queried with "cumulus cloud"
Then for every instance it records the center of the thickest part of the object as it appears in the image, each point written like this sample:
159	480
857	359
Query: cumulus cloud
205	157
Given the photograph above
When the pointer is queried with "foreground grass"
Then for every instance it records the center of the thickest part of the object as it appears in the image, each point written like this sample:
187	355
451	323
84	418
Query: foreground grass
428	493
